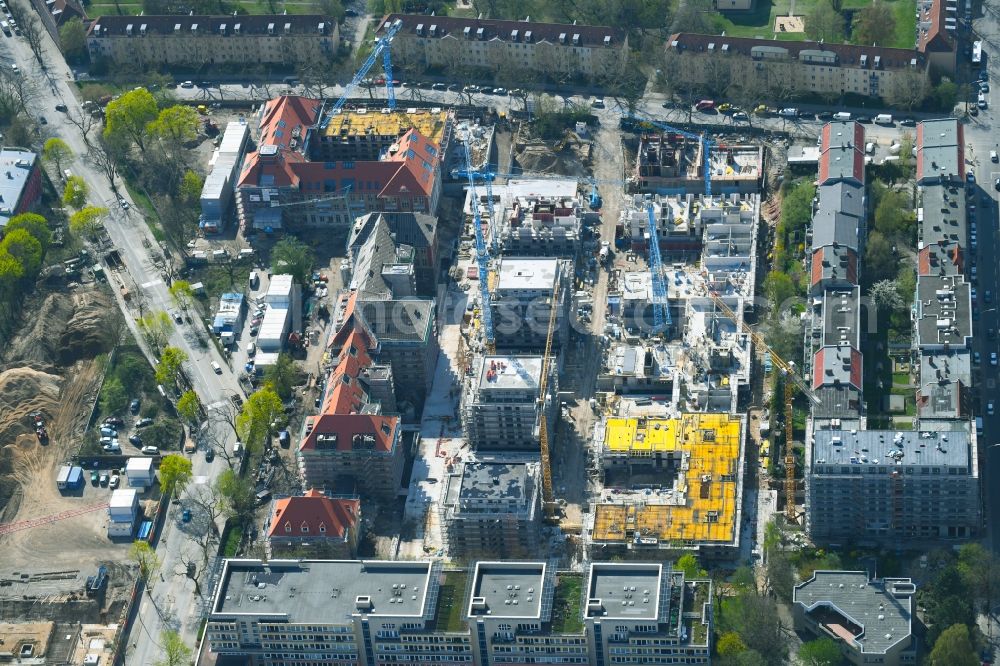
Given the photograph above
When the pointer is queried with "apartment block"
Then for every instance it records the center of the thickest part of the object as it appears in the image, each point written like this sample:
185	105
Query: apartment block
885	487
378	613
148	41
689	477
404	177
870	619
501	407
940	151
313	525
217	192
798	67
416	230
588	51
937	28
491	508
380	268
21	188
522	299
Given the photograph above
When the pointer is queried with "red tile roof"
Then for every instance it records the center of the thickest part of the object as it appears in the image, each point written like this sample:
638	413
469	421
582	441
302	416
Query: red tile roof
345	395
320	515
286	118
935	38
827	136
351	432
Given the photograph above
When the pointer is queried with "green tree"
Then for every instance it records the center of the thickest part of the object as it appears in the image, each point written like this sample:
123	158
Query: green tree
261	410
175	652
88	221
730	644
175	474
73	39
76	192
156	327
954	648
283	375
175	125
946	94
689	564
34	224
132	370
189	407
146	561
292	256
181	293
820	652
169	369
825	23
164	434
238	496
129	116
25	248
874	25
57	151
880	260
113	399
190	187
779	289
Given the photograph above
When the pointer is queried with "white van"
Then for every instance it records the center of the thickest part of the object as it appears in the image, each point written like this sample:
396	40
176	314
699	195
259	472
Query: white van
883	119
251	349
217	368
993	156
842	115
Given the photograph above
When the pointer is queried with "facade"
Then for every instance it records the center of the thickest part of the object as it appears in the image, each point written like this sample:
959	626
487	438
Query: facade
491	508
500	407
405	177
198	41
584	51
217	192
21	186
883	486
871	620
526	291
377	613
800	67
314	526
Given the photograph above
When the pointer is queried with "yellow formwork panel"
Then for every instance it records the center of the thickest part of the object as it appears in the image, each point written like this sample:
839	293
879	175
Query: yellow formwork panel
710	446
351	123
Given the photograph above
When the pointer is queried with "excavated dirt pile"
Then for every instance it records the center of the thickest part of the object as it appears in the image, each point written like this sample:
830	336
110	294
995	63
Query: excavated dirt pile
65	327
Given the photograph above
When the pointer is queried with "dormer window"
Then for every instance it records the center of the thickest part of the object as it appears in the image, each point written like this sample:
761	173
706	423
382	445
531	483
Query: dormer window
288	528
322	528
304	528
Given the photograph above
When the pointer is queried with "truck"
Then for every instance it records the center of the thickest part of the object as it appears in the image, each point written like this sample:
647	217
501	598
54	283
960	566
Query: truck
605	252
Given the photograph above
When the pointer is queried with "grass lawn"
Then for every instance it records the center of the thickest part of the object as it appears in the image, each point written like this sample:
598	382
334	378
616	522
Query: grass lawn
451	601
900	379
567	615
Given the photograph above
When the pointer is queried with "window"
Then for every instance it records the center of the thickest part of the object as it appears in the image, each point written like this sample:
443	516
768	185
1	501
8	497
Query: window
304	528
288	528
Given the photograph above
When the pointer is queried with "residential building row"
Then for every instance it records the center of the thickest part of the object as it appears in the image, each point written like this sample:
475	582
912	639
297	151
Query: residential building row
515	47
20	182
196	41
370	613
919	485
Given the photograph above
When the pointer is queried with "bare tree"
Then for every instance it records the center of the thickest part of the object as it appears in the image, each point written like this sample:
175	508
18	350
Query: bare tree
31	28
107	157
83	122
18	90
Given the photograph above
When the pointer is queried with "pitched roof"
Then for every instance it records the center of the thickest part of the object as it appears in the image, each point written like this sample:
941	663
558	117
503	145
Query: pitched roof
555	33
167	25
285	119
846	54
837	366
942	258
351	432
345	394
378	250
932	33
834	262
321	516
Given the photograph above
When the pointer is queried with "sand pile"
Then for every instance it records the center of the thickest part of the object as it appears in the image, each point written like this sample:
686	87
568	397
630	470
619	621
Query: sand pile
64	328
23	391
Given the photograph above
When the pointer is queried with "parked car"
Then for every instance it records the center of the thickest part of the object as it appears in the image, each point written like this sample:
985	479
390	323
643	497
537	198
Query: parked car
115	480
150	450
135	440
186	515
114	421
94	477
134	406
216	368
61	107
143	422
989	408
993	358
209	455
105	479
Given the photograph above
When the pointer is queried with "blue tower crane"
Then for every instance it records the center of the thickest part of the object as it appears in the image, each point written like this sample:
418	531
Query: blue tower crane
661	308
482	254
381	49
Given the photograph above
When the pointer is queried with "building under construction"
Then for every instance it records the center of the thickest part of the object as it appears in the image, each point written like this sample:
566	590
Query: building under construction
669	163
491	507
522	299
366	134
501	409
678	484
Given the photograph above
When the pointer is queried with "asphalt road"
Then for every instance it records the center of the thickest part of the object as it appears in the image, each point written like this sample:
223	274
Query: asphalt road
173	601
981	139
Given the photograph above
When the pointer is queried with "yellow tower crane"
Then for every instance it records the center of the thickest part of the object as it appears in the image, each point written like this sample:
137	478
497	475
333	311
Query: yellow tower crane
792	381
548	497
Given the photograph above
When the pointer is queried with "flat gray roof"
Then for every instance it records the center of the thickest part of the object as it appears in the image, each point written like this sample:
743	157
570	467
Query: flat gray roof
500	373
841	317
870	610
843	402
943	311
628	591
508	589
500	480
527	274
939	149
842	162
944	216
323	591
882	448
